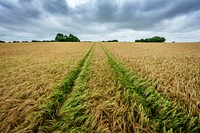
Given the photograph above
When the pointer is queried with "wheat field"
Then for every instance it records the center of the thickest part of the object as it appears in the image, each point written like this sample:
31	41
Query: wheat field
173	68
100	87
28	73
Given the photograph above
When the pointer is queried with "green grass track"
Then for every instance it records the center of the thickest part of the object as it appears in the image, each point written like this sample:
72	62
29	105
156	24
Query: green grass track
165	115
44	120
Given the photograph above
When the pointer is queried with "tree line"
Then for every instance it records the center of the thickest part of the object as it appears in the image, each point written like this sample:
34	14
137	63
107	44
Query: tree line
61	38
64	38
1	41
71	38
153	39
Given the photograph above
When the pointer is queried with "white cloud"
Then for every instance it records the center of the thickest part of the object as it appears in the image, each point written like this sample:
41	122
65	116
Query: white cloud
74	3
97	20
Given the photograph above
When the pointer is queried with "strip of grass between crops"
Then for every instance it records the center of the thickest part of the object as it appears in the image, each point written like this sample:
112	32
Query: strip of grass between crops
108	104
44	118
73	115
167	116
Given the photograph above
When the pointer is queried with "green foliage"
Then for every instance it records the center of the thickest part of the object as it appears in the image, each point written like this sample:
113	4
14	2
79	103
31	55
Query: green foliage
112	40
2	41
43	41
153	39
73	38
36	41
72	115
64	38
16	41
60	37
24	41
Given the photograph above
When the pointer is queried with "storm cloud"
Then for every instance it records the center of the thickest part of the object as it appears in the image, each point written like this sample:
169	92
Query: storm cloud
96	20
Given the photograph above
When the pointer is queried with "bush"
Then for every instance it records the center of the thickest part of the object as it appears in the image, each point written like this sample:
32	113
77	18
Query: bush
153	39
48	41
112	40
16	41
64	38
36	41
2	41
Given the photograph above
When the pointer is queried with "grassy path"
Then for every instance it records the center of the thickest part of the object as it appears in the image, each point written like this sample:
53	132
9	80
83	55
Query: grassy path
112	108
73	115
165	115
48	114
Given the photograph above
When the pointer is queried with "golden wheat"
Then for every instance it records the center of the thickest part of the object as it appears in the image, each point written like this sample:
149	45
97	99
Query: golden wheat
173	68
124	87
28	73
108	104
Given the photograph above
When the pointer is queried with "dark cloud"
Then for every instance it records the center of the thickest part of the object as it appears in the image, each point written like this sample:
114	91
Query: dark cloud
55	6
105	11
140	15
41	19
18	14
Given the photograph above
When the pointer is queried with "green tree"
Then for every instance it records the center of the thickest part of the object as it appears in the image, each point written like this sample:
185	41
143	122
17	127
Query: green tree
73	38
2	41
112	40
153	39
64	38
60	38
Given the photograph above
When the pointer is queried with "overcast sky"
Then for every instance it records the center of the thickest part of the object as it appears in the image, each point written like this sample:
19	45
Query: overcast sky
97	20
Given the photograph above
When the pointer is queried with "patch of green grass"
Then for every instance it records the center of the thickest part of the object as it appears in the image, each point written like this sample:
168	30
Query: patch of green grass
73	114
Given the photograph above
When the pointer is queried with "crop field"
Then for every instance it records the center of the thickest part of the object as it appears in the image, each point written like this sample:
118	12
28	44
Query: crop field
28	74
100	87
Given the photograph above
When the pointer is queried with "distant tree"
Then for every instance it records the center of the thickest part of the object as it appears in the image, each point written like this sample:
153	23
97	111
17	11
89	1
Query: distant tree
112	40
36	41
73	38
64	38
157	39
24	41
2	41
16	41
60	38
147	40
153	39
46	41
